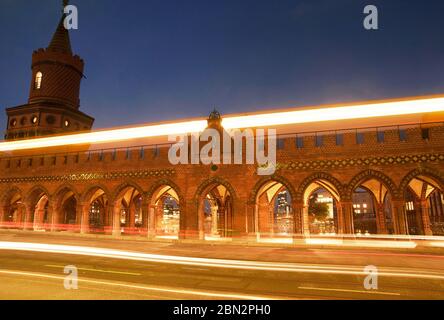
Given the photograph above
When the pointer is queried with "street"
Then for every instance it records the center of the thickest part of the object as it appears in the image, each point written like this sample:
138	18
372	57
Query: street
32	267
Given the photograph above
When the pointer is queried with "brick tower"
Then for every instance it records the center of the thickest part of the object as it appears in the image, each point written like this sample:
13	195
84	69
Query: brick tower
53	105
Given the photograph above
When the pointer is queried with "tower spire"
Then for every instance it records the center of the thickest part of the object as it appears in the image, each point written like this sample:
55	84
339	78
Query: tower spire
60	40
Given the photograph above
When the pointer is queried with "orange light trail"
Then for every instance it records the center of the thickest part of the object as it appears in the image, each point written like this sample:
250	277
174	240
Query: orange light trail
270	119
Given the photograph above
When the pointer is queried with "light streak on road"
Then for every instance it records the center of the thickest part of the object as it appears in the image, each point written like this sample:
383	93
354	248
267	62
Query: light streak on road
97	270
351	291
217	263
140	287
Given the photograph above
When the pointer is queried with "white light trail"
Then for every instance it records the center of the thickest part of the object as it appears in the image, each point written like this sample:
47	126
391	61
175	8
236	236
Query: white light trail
384	109
270	119
216	263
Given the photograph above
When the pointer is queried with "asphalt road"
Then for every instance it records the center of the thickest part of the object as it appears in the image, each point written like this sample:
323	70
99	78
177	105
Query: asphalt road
326	274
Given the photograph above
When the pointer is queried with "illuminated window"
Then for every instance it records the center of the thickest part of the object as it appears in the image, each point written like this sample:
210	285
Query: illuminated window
38	80
364	205
34	120
67	124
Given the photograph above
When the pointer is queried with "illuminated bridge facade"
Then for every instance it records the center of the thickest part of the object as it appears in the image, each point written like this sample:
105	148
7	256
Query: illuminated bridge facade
371	169
385	180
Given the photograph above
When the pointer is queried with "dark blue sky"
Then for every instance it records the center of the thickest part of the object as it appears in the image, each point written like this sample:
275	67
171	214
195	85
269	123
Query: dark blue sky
149	60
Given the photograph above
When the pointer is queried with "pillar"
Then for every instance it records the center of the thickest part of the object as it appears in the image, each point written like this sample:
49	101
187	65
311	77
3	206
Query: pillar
190	224
83	214
425	218
347	213
151	221
238	218
53	217
298	220
400	224
117	231
340	219
380	219
305	221
132	215
2	215
28	222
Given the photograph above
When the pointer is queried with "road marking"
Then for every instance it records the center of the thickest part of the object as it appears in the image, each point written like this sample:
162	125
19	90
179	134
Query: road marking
97	270
350	290
158	289
194	269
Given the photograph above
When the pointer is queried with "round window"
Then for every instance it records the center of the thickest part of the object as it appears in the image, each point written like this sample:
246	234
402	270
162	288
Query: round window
67	123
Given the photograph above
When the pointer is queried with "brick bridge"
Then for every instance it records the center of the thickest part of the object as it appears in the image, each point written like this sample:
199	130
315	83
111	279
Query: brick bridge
380	180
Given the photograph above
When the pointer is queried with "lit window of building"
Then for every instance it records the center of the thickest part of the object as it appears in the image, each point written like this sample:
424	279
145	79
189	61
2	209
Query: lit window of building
38	80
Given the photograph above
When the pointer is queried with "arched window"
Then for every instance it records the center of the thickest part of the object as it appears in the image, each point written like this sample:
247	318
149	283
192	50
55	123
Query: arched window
38	80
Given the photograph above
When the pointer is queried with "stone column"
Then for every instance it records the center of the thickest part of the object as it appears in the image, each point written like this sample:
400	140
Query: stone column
298	220
400	224
425	218
39	216
117	231
83	217
28	222
340	219
214	221
132	215
380	219
190	223
151	221
145	222
347	212
2	215
305	221
52	217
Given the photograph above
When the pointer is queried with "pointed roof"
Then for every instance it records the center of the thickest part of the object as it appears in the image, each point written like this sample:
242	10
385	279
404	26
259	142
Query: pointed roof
60	40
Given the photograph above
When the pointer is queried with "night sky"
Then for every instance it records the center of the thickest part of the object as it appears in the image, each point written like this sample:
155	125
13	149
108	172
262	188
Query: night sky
152	60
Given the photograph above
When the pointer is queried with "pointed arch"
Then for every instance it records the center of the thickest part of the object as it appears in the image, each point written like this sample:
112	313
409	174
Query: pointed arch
160	183
125	185
214	181
332	185
366	175
274	178
89	192
437	176
31	195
